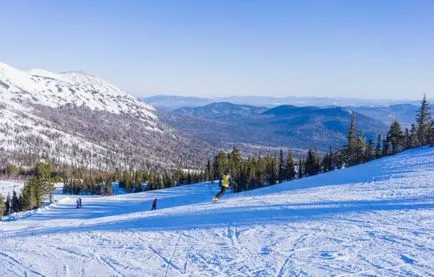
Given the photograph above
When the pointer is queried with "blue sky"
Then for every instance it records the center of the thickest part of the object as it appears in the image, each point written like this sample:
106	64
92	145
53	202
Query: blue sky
366	49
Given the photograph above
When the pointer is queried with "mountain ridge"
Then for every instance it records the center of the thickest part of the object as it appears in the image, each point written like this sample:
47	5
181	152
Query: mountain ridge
29	99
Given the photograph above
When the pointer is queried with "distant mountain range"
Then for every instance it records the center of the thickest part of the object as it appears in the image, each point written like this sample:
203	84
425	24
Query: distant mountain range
283	126
221	110
170	102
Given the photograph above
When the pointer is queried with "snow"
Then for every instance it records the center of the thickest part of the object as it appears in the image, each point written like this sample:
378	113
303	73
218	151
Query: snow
38	86
20	90
8	186
372	219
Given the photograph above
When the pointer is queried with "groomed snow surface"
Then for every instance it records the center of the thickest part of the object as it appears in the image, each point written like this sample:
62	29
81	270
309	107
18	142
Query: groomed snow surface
367	220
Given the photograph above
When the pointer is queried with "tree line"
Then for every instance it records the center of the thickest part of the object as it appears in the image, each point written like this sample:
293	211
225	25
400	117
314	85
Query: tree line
41	179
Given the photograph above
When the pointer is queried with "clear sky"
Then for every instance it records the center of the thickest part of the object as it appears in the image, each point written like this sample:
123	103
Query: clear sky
367	49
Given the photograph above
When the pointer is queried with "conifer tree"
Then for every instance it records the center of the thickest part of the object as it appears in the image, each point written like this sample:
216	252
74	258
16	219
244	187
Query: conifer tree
220	164
414	139
2	207
406	139
327	161
300	169
352	135
423	121
15	203
7	209
432	133
359	155
117	175
378	150
289	167
235	161
208	171
271	170
281	172
386	147
312	163
396	137
369	151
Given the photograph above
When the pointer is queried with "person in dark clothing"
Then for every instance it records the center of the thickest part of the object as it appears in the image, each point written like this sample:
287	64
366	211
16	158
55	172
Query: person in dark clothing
225	183
154	204
79	200
78	203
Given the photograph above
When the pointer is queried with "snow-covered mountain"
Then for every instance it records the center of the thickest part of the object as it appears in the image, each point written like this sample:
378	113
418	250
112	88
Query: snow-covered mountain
71	116
69	88
374	219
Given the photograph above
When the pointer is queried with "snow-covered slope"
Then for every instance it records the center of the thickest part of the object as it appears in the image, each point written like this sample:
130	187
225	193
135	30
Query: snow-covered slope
72	88
70	116
368	220
8	187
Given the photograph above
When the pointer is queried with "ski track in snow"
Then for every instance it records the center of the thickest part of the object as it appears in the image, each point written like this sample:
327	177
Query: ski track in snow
369	220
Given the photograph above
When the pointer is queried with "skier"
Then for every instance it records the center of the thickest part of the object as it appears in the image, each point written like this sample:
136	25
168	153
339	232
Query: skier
225	183
79	200
78	203
154	204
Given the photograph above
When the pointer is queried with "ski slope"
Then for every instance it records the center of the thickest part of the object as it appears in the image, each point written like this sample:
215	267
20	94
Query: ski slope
372	219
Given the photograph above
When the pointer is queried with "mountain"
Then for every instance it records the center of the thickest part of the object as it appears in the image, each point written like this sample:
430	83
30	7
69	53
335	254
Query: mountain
221	110
283	126
373	219
169	102
77	118
172	102
404	113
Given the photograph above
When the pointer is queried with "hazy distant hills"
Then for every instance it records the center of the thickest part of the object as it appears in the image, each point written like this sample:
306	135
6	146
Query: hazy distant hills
282	126
170	102
221	110
404	113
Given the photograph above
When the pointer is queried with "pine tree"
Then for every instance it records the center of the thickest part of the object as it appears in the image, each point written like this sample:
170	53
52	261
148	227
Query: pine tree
208	171
312	163
220	164
281	172
369	151
235	161
378	150
2	207
15	205
271	170
414	140
7	209
117	175
396	137
360	150
423	120
432	133
386	147
289	167
300	169
11	170
28	200
406	140
352	136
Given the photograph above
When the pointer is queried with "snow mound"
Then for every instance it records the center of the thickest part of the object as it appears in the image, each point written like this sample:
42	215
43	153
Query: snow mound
372	219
